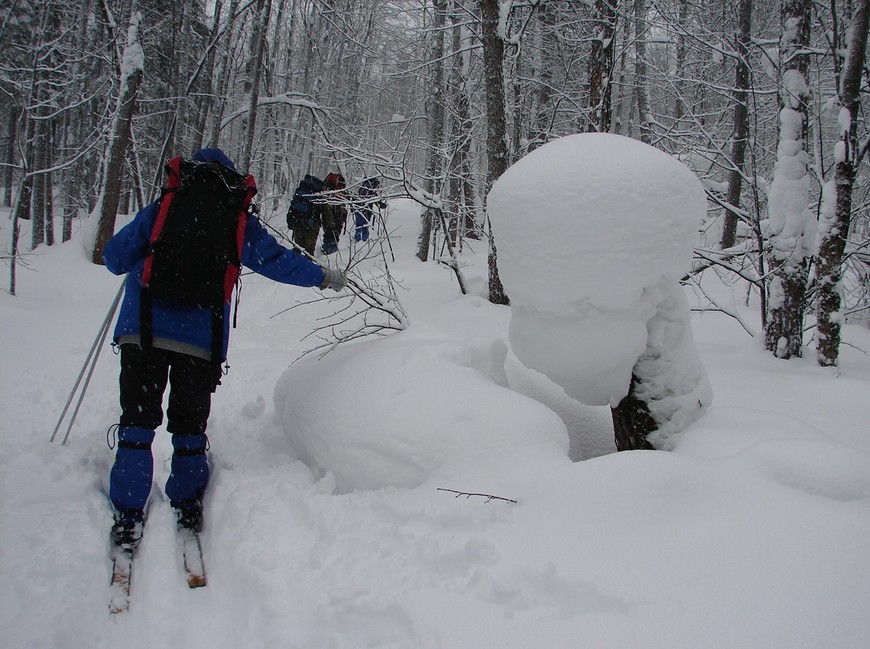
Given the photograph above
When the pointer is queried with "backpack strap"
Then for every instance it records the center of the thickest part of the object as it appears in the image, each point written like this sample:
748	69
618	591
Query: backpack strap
233	269
231	277
173	171
146	329
217	338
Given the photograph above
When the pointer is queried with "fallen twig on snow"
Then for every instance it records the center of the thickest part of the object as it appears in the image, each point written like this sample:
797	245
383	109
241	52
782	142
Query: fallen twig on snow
468	494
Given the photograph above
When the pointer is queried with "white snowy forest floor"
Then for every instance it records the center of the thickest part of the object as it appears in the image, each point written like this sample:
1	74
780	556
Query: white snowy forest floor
753	533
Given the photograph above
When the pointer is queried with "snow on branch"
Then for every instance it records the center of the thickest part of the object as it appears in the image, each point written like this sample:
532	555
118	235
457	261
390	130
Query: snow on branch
285	99
504	11
133	59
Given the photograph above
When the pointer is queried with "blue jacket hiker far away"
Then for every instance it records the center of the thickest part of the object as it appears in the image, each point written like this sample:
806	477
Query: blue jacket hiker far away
183	328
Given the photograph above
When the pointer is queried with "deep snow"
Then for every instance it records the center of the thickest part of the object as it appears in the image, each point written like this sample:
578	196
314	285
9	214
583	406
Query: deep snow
751	533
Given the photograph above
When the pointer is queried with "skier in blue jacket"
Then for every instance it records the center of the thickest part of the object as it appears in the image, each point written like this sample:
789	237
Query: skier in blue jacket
180	353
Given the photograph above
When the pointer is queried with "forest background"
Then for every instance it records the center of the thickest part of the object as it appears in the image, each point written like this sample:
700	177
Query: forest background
765	100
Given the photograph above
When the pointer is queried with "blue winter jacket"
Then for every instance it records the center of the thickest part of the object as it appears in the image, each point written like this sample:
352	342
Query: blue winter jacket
182	328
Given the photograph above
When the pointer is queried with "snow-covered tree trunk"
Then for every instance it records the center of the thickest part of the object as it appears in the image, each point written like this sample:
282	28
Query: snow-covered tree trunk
462	189
434	166
632	422
670	388
837	205
741	124
791	224
601	67
132	67
496	126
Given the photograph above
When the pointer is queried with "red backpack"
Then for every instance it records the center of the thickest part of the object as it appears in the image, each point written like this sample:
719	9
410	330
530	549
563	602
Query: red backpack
335	181
194	255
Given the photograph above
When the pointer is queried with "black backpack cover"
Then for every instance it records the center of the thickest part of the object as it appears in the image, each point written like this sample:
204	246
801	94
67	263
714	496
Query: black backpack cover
196	243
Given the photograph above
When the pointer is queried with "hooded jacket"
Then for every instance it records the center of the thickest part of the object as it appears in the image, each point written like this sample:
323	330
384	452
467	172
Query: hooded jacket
187	328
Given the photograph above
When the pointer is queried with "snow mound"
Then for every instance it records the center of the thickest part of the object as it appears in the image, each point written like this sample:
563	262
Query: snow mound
621	219
396	411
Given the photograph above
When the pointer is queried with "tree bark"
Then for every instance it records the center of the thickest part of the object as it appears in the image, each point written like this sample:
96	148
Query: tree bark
38	208
434	169
466	196
741	123
632	422
119	139
496	127
682	51
835	227
496	117
13	253
8	176
35	187
601	67
264	8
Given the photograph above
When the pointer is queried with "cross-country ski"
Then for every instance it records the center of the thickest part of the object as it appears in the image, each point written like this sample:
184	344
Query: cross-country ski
191	553
119	590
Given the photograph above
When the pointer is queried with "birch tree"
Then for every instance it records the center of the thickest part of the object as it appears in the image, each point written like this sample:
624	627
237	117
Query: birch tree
434	168
790	220
837	204
601	67
462	188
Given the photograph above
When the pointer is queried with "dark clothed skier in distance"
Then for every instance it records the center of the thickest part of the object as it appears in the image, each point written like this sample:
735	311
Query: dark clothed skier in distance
333	214
364	215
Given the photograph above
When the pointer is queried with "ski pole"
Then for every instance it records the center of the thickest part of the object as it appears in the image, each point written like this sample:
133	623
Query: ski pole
387	233
90	361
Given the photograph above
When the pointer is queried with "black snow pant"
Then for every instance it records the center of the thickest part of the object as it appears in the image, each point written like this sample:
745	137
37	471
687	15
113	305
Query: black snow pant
144	376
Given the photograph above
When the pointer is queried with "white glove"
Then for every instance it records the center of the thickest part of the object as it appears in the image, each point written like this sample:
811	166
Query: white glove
333	278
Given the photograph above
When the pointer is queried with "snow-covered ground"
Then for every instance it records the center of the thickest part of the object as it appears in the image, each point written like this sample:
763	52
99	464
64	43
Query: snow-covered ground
325	525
